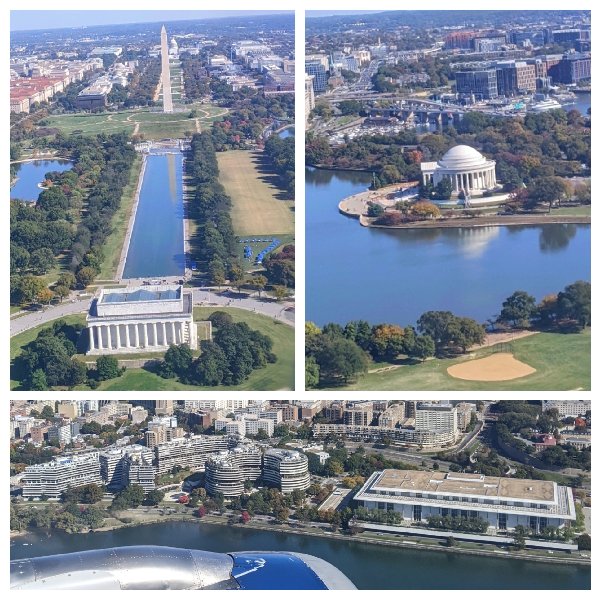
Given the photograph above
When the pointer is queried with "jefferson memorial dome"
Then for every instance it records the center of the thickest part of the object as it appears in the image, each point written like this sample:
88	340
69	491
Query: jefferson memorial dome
467	168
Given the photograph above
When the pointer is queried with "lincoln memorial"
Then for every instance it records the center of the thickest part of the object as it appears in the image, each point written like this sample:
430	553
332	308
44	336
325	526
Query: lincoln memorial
141	319
468	170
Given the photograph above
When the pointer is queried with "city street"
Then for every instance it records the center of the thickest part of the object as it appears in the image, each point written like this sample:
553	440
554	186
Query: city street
202	297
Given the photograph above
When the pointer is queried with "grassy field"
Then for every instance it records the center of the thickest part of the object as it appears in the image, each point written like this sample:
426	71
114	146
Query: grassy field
114	243
152	125
562	362
573	211
248	264
258	207
278	376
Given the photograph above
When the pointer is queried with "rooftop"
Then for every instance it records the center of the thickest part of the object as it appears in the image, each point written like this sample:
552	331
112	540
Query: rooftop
466	484
143	294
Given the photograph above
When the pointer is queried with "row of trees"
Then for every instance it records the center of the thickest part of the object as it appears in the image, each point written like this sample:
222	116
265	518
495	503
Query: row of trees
281	153
571	305
195	77
40	232
235	352
280	267
338	354
527	150
211	208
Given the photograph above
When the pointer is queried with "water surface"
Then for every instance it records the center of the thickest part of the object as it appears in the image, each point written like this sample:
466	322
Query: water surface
32	173
156	247
368	566
353	272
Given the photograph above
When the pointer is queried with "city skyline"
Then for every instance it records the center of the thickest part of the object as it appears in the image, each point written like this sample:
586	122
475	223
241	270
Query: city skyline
44	20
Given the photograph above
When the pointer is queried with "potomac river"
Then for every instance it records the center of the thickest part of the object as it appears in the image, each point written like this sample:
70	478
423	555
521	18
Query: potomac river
394	276
368	566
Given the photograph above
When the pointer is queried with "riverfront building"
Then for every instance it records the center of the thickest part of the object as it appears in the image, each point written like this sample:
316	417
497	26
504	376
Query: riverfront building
468	170
226	472
53	478
503	502
138	319
189	453
286	469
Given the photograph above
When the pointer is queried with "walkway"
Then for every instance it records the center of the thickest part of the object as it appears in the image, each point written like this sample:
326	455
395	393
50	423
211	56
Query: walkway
202	297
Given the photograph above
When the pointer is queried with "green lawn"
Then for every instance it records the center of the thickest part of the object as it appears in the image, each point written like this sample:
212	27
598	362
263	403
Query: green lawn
153	125
573	211
278	376
248	264
562	362
114	243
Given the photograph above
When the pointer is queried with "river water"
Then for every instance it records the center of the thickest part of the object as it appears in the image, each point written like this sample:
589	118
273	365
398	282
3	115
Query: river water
368	566
156	248
288	132
354	272
31	173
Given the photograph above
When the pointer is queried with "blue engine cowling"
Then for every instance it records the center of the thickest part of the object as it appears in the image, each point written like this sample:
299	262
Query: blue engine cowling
165	568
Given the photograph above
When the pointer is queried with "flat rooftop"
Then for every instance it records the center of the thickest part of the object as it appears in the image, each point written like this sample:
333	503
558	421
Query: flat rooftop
141	295
458	484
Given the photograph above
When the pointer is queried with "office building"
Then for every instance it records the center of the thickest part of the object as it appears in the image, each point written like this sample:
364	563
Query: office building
481	83
568	408
226	472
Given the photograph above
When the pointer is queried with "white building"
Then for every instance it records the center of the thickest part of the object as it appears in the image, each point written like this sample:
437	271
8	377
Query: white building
436	417
226	472
468	170
147	318
568	408
286	469
60	434
53	478
189	453
503	502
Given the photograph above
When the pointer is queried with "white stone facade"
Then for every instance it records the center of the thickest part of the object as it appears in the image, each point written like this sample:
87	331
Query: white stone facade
141	319
468	170
503	502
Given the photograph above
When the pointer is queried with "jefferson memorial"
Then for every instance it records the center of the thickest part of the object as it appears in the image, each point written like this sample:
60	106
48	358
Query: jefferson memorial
469	171
141	319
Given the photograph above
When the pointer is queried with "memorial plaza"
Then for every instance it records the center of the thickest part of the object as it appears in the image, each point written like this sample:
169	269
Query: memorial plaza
138	319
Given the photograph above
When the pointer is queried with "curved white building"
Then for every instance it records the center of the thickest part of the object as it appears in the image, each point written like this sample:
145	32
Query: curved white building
227	471
286	469
467	168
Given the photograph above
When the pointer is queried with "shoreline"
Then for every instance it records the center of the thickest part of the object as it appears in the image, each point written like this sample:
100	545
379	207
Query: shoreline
495	221
131	223
318	532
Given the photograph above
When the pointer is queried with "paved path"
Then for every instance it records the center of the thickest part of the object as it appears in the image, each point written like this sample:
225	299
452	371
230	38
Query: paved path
202	297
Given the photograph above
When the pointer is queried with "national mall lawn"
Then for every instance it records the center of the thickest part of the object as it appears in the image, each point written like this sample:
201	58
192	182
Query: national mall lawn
562	362
276	376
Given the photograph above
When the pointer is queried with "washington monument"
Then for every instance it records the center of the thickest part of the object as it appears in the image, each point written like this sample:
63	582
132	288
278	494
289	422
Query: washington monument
166	72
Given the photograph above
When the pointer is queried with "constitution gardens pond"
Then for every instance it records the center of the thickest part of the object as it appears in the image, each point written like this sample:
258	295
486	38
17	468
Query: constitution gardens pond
30	174
394	276
368	566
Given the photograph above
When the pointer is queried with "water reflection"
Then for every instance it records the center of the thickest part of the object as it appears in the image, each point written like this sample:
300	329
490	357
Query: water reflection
555	238
30	174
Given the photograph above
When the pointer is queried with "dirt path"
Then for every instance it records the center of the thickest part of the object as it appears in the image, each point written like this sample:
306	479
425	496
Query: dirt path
494	338
197	121
136	128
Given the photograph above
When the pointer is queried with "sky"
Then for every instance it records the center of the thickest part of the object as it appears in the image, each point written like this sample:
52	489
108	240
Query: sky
21	20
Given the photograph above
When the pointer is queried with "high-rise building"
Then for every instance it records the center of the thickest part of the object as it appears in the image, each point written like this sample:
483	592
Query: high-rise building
226	472
319	74
571	68
481	83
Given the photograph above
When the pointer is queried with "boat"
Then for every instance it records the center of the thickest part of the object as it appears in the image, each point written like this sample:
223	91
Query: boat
544	105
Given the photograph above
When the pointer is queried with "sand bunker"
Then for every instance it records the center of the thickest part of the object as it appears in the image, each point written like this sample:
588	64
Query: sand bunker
496	367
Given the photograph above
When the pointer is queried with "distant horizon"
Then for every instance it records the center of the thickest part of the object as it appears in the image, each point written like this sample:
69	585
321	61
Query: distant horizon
47	20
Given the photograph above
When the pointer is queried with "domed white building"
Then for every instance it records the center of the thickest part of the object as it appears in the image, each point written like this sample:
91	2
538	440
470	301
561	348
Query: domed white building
469	171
